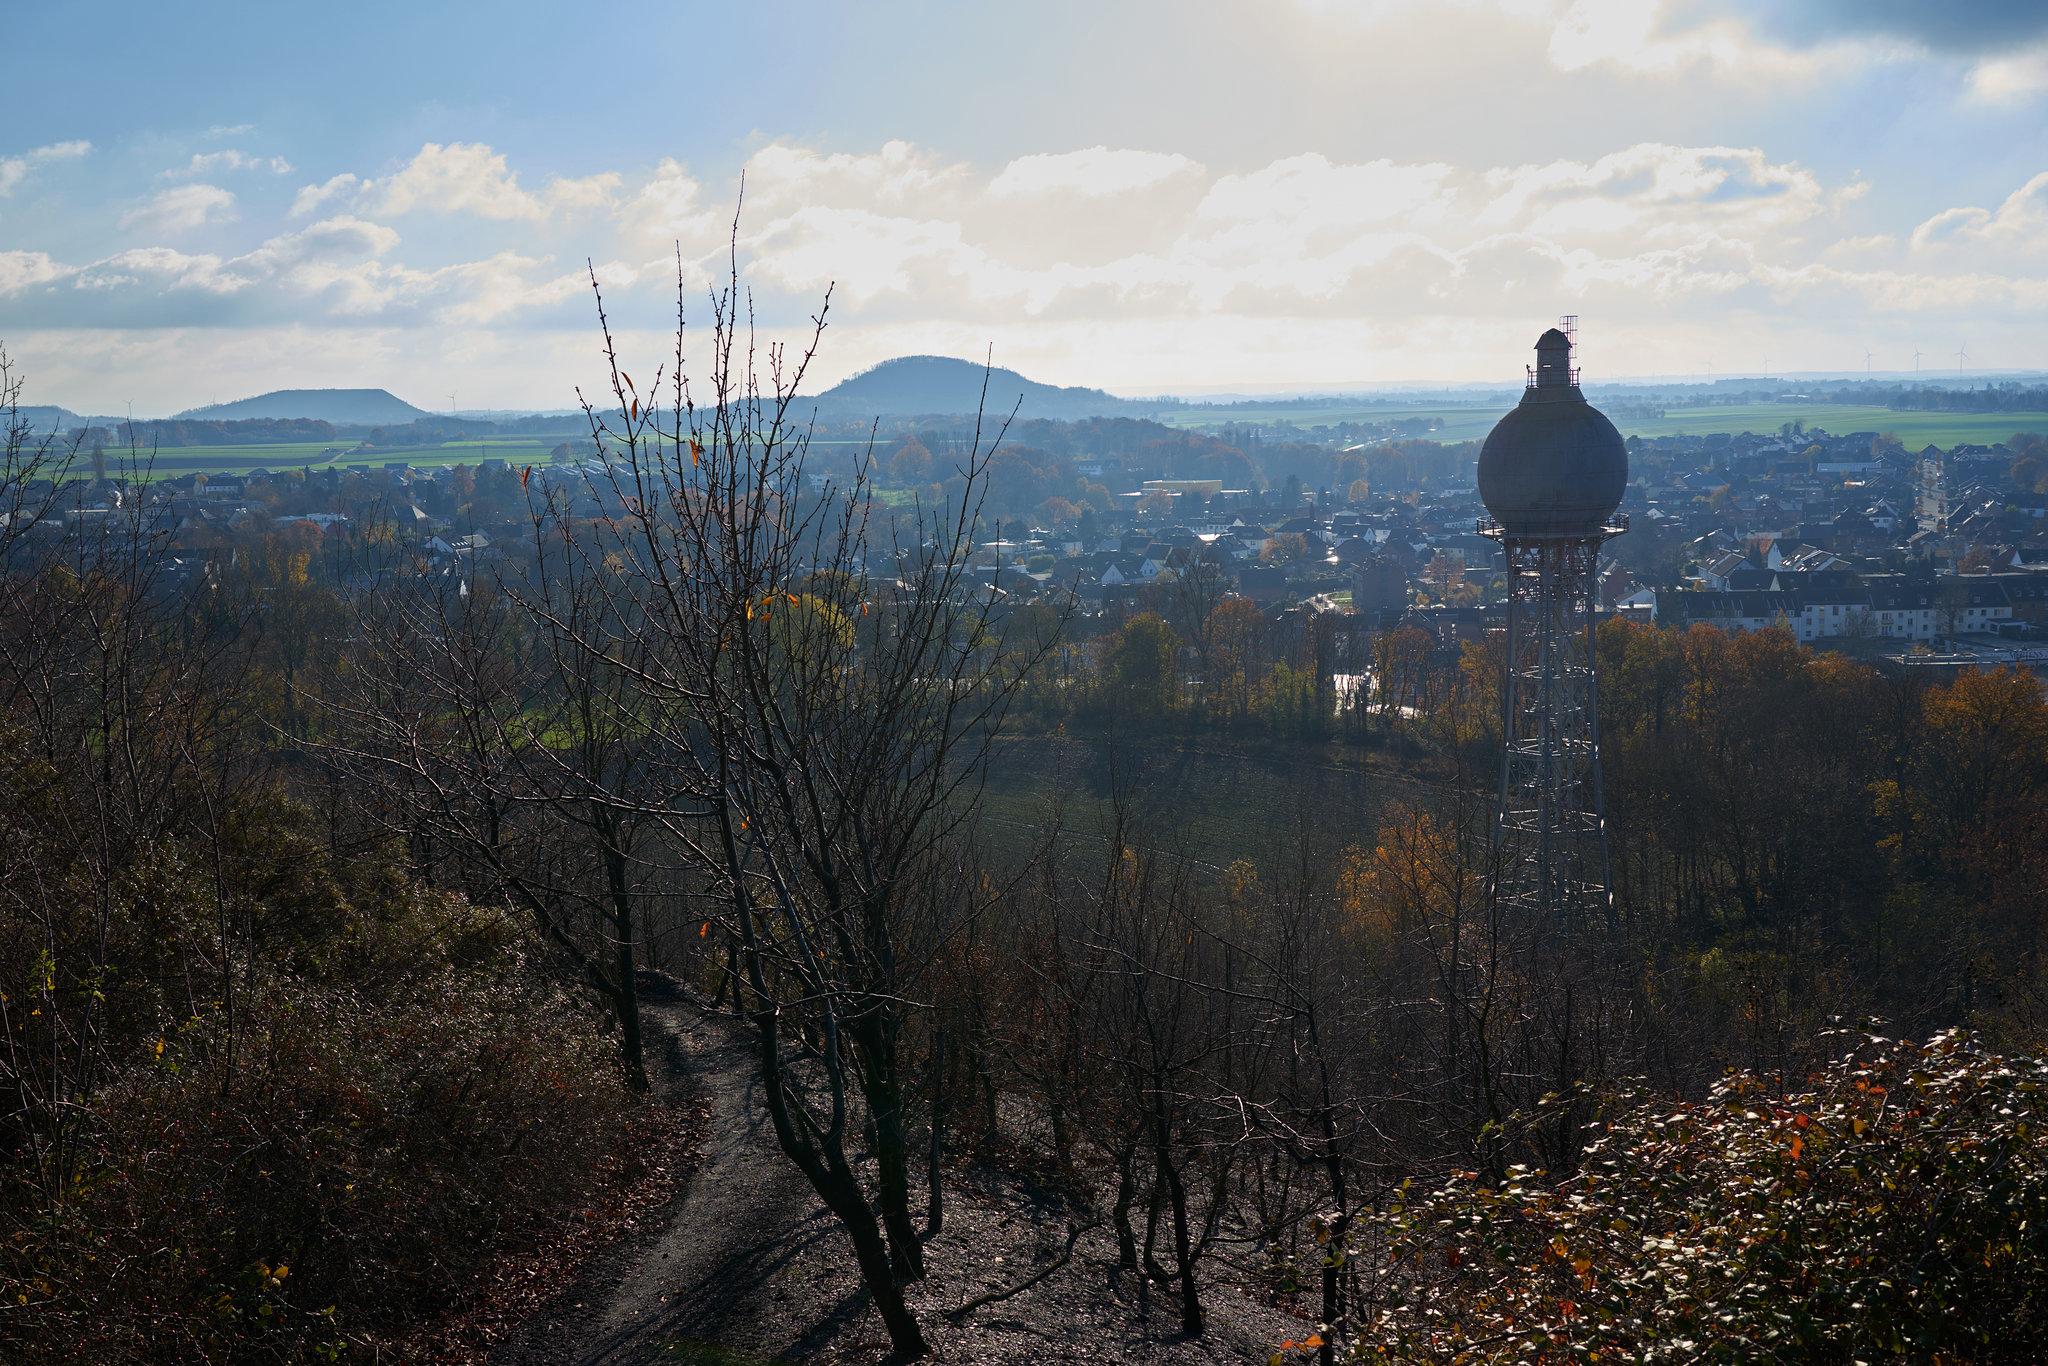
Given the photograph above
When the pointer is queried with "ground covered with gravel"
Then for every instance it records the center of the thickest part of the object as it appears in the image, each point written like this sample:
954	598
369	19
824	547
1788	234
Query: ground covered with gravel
745	1265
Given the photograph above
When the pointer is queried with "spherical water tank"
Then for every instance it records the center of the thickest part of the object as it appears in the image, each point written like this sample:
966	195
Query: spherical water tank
1554	466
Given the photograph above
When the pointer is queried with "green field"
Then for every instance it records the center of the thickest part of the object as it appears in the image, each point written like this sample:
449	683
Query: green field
1213	808
172	461
1471	422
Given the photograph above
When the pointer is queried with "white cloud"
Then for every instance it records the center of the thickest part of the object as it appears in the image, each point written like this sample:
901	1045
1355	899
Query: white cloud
182	209
781	173
1308	192
1093	171
2022	220
333	269
2004	80
1676	186
21	269
311	197
471	178
14	170
669	207
207	163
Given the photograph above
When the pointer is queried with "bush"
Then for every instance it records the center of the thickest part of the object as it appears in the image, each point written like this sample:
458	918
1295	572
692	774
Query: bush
391	1097
1898	1208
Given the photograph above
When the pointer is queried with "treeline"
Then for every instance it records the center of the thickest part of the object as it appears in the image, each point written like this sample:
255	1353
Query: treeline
264	431
245	432
1999	398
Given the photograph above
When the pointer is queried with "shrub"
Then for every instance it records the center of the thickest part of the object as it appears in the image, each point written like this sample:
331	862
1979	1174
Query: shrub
1897	1208
393	1097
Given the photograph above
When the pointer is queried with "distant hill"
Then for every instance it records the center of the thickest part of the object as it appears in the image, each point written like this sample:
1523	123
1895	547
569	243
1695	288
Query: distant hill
940	385
41	418
343	407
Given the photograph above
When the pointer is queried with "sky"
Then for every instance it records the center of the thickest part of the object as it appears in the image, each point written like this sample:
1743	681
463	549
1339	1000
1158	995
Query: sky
207	201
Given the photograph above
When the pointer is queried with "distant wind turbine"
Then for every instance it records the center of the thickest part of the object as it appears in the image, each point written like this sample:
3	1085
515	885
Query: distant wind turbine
1867	354
1962	357
1917	353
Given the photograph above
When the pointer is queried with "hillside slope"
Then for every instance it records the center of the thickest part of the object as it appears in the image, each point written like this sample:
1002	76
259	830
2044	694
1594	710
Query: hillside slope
343	407
941	385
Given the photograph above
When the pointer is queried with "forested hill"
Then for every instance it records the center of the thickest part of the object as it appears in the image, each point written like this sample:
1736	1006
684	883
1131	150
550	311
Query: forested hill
342	407
939	385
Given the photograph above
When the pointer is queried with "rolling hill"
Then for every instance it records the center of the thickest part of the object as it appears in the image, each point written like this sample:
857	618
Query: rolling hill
940	385
343	407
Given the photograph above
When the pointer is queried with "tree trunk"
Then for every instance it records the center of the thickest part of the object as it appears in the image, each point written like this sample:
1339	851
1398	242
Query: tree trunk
1126	1193
883	1090
1177	1196
626	994
824	1166
935	1195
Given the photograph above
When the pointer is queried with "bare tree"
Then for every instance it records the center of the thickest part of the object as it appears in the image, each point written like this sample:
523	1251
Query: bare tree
820	701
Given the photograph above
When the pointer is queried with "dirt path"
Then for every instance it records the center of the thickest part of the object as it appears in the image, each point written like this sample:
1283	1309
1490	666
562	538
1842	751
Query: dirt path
746	1268
744	1215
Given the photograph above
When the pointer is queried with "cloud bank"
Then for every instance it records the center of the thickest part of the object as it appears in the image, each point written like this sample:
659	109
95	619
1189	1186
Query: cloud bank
1137	269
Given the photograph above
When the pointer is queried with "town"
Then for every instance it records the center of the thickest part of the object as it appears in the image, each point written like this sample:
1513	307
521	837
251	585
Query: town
1925	561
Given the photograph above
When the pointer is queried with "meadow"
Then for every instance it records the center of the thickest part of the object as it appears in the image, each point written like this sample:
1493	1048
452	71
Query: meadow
1472	421
1216	808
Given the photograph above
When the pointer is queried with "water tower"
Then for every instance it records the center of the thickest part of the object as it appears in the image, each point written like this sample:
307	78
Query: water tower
1552	473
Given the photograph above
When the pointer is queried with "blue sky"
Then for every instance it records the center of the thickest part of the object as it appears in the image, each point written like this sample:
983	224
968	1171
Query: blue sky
208	201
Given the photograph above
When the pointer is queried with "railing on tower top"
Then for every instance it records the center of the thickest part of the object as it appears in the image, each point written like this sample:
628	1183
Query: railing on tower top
1489	527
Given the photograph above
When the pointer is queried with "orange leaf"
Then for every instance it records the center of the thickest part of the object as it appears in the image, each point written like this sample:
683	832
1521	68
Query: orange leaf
705	932
696	452
524	475
1313	1340
1798	1146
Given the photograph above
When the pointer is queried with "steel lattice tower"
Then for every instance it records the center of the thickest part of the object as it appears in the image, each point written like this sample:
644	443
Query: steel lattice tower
1552	473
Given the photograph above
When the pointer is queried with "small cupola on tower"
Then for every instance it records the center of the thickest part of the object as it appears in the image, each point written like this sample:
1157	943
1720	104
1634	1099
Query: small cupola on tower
1553	360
